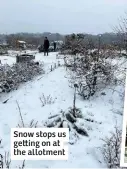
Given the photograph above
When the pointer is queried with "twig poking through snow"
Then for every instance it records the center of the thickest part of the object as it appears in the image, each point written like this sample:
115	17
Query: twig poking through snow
20	113
6	100
7	160
92	121
46	100
53	116
23	165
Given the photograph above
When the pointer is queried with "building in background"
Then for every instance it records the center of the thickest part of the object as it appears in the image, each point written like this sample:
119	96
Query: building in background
58	45
21	44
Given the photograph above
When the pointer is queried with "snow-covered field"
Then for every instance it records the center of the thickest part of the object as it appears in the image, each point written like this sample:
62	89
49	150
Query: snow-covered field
7	60
102	108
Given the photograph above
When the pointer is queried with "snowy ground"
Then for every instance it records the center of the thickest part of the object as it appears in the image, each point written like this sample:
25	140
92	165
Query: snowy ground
7	60
83	154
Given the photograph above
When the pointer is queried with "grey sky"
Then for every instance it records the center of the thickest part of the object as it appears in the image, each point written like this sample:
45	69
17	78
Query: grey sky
63	16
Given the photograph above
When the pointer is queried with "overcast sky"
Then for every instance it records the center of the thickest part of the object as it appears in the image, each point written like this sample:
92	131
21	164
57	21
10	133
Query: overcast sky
63	16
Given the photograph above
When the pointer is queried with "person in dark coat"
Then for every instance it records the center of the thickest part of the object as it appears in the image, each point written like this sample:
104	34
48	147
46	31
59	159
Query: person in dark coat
54	46
46	46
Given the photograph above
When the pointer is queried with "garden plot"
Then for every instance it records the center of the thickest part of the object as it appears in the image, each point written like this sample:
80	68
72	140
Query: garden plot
46	97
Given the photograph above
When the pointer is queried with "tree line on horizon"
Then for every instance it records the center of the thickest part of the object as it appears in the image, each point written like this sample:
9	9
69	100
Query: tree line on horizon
38	38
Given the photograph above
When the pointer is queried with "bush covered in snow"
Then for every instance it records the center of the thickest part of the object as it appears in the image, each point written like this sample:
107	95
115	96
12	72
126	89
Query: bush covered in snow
12	76
111	149
69	120
92	70
90	73
74	44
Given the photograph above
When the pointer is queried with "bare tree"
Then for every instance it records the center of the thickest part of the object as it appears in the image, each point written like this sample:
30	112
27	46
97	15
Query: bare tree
121	31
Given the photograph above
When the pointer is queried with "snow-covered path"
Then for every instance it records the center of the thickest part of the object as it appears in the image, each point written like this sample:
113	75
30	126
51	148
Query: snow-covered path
84	153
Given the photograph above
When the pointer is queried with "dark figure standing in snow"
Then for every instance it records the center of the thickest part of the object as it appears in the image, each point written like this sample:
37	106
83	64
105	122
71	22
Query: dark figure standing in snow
46	46
54	46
